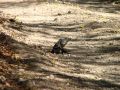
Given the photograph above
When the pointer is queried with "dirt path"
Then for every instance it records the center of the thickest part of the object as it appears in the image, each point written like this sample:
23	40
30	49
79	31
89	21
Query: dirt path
93	62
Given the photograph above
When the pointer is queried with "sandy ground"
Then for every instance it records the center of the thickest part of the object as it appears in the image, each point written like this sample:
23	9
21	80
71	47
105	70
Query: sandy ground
93	62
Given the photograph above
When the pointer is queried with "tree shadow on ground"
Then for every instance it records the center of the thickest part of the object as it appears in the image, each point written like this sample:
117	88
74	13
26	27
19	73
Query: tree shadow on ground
109	49
91	5
89	83
19	4
98	5
12	46
107	8
57	27
73	82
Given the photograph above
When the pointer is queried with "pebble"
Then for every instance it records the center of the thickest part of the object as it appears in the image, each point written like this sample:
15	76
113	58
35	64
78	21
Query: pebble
2	79
21	70
22	79
69	12
59	14
51	76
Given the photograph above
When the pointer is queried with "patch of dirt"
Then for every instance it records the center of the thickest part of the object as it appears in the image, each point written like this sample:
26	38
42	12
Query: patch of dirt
28	36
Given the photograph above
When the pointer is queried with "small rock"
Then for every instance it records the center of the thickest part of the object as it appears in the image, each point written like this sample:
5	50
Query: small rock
97	57
51	76
88	71
55	19
68	84
110	43
22	79
30	84
69	55
7	84
12	20
59	14
21	70
2	79
69	12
